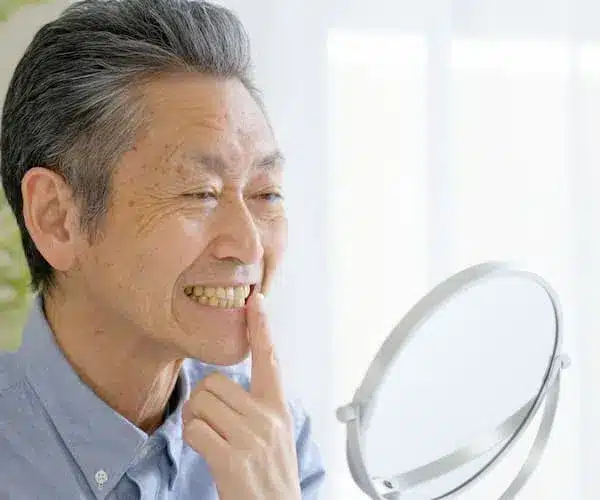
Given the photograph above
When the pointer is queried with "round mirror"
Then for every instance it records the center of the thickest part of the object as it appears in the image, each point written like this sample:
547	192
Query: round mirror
454	385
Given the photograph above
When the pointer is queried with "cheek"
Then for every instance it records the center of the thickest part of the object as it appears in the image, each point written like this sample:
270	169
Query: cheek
274	229
155	258
174	245
275	236
192	228
274	243
281	238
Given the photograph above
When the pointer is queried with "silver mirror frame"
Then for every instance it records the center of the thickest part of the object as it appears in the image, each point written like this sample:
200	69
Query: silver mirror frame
356	414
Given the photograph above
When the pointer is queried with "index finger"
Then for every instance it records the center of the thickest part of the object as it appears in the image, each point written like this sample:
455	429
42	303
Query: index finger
265	383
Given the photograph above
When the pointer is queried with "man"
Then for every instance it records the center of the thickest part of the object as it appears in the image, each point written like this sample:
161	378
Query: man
146	181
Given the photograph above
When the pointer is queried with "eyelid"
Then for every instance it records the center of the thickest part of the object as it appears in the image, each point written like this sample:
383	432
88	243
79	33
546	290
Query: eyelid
276	194
201	194
269	188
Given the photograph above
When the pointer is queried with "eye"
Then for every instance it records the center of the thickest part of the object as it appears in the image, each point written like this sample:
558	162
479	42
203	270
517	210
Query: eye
202	195
271	196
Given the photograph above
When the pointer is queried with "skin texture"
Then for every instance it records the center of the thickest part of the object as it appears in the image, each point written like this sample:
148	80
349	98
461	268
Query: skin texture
197	200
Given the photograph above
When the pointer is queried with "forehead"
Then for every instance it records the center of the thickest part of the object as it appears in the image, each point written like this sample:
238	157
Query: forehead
191	113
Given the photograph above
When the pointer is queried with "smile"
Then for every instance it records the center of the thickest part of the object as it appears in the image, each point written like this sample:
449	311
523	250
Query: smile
228	297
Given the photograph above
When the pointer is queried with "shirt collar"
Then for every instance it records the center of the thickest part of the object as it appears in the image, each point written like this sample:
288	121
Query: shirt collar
102	442
172	427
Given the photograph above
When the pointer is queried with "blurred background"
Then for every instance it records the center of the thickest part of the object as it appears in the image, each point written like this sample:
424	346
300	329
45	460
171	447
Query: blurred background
422	137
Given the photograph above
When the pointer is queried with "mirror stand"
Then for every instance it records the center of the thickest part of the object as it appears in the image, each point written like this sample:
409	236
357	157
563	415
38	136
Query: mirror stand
395	488
533	306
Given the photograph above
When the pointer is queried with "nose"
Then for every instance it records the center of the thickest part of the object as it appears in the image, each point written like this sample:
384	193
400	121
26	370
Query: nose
237	238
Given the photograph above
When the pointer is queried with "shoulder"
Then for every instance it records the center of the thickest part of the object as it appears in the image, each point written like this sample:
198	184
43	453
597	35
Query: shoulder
18	402
10	373
20	431
22	419
35	462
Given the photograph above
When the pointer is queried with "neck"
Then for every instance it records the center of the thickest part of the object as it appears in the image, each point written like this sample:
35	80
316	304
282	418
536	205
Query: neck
130	373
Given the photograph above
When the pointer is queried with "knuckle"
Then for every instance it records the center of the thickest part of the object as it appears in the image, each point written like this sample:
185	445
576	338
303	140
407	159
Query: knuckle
212	380
186	433
275	426
190	435
198	400
275	423
243	460
262	455
257	452
283	415
248	453
186	413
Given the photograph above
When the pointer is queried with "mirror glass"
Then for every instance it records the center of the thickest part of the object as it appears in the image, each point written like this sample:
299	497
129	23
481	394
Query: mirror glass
480	358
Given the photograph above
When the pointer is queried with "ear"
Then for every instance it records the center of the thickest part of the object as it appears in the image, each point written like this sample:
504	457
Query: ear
51	216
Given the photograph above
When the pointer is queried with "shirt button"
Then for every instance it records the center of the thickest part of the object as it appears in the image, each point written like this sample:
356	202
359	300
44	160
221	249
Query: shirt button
101	478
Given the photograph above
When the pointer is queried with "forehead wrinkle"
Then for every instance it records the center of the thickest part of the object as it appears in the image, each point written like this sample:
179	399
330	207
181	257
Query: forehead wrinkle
217	164
271	161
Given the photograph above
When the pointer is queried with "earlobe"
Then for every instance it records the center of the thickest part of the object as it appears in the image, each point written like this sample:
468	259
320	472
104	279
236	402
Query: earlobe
49	212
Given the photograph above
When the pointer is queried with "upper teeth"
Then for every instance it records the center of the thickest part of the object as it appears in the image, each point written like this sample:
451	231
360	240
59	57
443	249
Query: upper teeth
231	296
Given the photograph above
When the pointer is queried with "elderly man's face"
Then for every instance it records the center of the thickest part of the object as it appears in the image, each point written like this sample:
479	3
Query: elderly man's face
196	219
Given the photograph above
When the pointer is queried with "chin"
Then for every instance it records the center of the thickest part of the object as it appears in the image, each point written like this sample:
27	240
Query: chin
223	355
223	359
218	347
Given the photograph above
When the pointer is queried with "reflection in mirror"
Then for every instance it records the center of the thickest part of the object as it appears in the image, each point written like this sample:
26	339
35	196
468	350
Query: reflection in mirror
478	360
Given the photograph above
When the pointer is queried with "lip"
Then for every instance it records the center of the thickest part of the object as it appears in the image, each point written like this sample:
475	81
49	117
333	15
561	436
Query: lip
217	311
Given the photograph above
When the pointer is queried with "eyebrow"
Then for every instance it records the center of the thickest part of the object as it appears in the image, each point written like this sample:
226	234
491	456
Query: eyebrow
271	161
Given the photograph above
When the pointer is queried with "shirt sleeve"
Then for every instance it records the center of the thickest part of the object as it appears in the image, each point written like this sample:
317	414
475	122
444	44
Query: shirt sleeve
311	469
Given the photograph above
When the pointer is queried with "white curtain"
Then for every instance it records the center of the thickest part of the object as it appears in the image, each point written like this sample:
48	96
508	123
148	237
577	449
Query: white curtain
457	132
422	137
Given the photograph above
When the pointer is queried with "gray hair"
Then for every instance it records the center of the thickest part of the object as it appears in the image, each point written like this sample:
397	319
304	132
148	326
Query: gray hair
72	104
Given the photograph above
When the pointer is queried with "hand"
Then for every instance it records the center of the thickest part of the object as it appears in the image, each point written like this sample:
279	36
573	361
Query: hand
246	438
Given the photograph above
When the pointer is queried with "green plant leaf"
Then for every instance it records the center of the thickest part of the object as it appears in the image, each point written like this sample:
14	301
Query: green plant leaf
15	292
8	7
